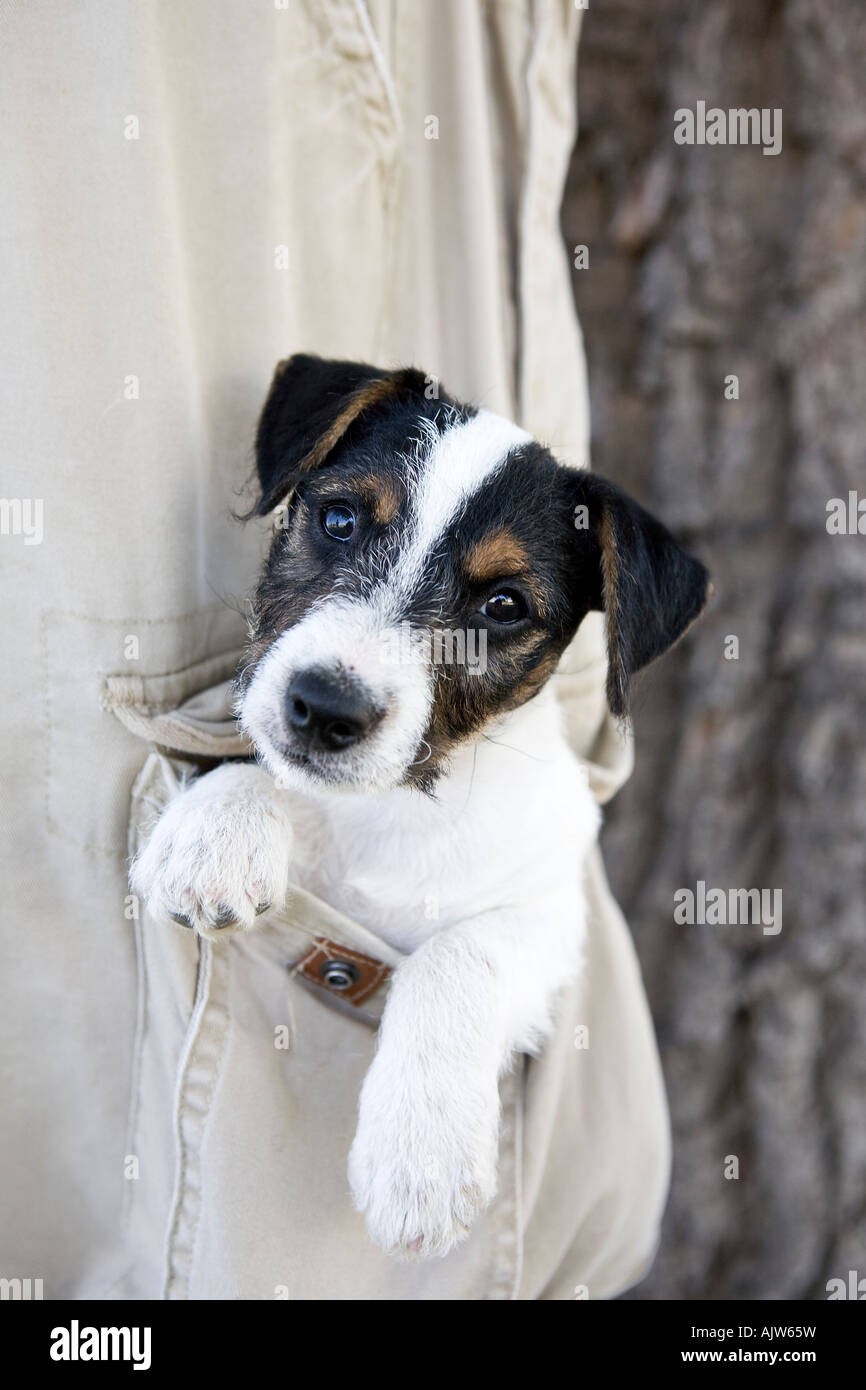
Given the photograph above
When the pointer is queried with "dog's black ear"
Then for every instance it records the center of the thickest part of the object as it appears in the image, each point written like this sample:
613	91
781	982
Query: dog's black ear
311	406
649	589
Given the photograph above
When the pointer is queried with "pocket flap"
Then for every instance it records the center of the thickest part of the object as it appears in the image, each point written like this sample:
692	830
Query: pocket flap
187	711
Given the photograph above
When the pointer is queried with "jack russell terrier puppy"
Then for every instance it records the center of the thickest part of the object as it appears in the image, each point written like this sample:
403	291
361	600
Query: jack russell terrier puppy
390	777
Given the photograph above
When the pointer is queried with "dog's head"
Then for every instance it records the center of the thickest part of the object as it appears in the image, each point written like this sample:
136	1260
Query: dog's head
431	563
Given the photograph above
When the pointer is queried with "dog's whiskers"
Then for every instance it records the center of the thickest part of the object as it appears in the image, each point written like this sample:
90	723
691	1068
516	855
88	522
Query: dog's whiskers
511	748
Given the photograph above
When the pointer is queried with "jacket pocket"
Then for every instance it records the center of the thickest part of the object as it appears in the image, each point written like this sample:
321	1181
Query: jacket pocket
245	1084
186	718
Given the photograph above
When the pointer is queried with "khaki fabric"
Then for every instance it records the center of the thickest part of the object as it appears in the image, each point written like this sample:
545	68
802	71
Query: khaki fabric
278	193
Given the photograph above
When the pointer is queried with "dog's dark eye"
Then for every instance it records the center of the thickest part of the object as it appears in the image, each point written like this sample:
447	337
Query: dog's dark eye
504	607
338	521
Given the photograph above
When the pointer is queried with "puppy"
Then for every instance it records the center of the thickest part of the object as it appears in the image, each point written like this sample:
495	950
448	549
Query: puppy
431	564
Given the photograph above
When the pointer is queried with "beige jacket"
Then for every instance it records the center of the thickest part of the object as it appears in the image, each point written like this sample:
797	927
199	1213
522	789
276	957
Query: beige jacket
195	190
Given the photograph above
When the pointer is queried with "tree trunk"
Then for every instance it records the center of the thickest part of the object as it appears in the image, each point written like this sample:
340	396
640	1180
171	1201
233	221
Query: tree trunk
707	262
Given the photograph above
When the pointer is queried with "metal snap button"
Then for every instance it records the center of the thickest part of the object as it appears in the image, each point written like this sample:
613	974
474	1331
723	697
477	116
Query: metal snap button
339	974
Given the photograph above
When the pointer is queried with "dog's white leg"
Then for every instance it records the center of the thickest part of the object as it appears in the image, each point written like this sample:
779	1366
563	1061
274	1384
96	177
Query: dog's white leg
423	1162
219	854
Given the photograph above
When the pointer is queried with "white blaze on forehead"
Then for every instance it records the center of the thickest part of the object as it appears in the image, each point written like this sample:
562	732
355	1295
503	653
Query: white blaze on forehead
463	458
460	461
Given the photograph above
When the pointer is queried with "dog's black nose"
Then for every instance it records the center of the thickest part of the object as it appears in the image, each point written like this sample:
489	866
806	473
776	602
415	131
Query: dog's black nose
327	713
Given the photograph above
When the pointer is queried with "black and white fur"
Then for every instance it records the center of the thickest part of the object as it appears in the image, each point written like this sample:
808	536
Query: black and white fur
439	806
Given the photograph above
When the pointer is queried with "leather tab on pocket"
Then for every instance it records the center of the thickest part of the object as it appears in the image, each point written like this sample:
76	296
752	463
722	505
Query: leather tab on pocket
345	973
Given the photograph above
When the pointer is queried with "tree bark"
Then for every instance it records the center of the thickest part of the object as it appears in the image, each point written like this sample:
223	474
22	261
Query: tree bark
707	262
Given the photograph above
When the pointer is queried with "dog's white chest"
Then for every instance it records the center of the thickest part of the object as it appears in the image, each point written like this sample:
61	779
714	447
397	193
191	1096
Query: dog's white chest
510	823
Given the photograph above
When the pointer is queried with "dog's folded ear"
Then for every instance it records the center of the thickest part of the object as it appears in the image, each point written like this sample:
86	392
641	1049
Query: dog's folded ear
312	406
649	589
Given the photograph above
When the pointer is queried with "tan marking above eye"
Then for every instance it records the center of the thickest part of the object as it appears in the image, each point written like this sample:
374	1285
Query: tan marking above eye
381	495
496	556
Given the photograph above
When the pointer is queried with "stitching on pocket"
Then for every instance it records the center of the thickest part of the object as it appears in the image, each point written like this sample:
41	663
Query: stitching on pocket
158	781
197	1079
505	1213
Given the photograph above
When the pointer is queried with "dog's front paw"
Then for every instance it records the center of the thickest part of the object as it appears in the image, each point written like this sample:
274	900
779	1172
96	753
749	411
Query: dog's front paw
423	1166
219	854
